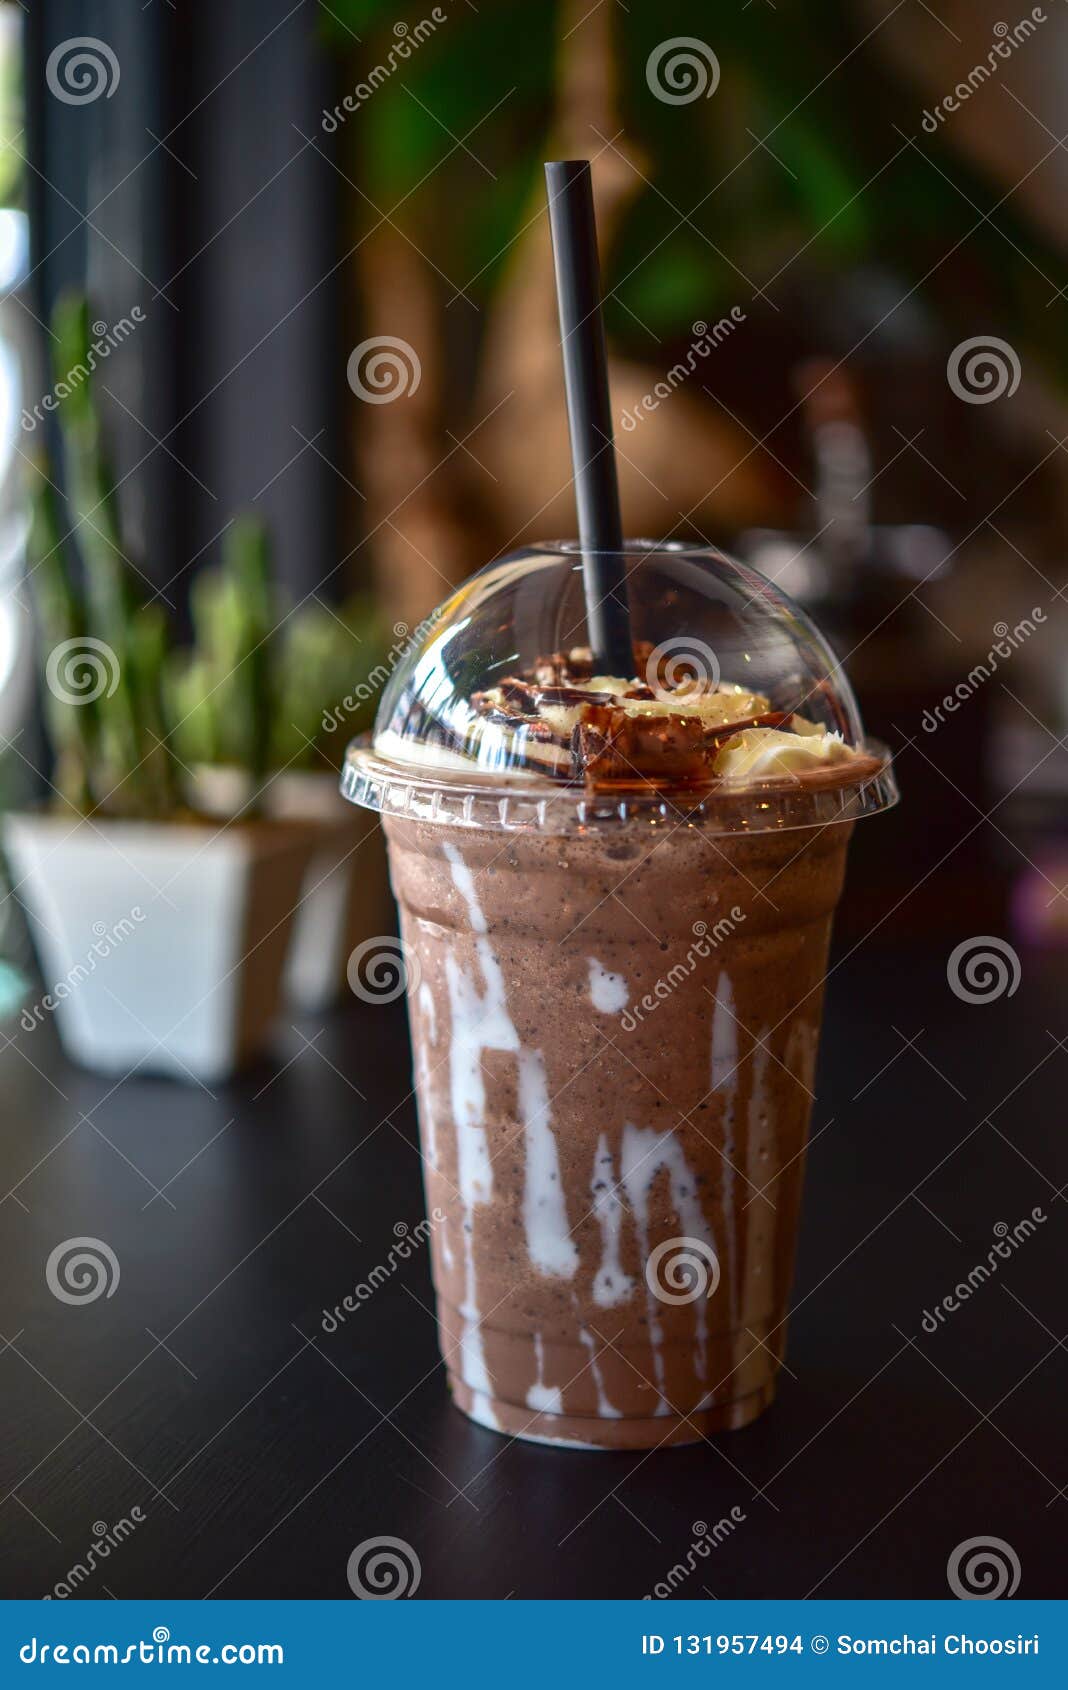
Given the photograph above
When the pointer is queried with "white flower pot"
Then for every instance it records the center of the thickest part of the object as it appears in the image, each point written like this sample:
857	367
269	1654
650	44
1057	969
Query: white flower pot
345	897
161	944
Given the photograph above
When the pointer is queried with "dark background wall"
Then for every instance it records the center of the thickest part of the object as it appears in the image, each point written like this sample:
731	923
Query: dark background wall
195	198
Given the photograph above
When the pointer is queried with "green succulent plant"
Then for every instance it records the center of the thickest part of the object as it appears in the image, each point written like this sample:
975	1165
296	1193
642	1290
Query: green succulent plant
258	688
104	644
128	714
324	653
219	691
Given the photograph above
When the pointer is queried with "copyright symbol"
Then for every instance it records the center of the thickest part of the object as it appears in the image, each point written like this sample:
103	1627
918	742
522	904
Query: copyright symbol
819	1645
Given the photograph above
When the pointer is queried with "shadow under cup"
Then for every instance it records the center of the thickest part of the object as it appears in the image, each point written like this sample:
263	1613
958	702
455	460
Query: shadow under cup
615	1037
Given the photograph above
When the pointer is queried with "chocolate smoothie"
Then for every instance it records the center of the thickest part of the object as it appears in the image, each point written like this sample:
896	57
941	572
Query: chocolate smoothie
566	1140
616	951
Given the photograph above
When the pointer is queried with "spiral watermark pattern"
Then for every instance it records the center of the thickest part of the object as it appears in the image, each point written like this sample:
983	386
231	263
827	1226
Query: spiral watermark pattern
983	969
81	670
682	70
381	969
381	1569
983	369
383	368
80	69
983	1569
81	1270
682	1270
678	660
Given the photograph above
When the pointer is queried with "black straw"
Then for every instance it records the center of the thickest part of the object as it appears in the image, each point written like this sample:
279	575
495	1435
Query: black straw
589	415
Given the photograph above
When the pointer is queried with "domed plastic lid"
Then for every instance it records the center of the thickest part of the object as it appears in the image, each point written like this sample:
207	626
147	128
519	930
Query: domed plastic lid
736	711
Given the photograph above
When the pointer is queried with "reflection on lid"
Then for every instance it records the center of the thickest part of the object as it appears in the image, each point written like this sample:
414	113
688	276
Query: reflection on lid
502	682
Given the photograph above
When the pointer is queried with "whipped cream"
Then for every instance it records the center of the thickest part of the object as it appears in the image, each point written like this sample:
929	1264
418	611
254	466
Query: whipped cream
763	753
559	720
726	703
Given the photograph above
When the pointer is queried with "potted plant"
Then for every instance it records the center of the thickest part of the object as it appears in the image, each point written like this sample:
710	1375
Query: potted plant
321	672
161	934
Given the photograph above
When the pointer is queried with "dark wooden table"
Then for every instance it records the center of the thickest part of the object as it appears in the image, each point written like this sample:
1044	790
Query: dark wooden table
259	1450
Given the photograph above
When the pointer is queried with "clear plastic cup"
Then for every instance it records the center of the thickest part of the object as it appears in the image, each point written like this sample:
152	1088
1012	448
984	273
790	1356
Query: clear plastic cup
615	989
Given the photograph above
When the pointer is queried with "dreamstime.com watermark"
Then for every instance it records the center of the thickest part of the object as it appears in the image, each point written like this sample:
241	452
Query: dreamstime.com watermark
155	1651
706	341
105	1539
705	1539
105	340
409	37
705	941
1007	39
107	939
1006	641
408	1241
365	690
1009	1240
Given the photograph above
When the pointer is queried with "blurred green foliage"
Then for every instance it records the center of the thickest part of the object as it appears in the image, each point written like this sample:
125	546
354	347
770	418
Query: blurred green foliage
259	686
11	106
714	206
127	713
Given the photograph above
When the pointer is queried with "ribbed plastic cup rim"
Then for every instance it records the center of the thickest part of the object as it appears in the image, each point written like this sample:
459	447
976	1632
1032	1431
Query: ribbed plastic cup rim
493	803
